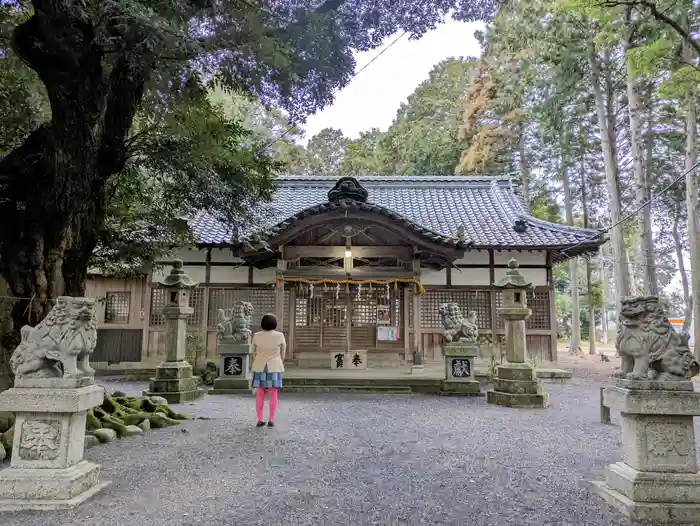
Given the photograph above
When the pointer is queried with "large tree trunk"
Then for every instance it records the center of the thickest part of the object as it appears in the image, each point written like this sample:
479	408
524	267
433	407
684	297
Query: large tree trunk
575	342
53	185
524	165
604	284
687	299
622	277
589	267
691	188
643	194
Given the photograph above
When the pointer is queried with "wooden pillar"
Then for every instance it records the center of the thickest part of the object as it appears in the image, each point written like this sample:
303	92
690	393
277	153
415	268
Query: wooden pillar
553	343
405	308
279	291
291	323
417	337
348	320
146	309
204	326
494	313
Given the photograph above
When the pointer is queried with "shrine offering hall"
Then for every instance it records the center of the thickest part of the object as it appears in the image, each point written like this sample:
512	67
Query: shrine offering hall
363	265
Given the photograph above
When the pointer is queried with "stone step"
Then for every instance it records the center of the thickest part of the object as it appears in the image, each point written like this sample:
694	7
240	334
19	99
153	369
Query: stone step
368	389
291	381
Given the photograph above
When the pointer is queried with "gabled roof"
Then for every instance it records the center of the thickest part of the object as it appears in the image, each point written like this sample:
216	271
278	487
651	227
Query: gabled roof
487	210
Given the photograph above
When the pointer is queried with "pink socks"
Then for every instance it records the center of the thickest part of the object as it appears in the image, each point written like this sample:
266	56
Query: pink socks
274	402
260	403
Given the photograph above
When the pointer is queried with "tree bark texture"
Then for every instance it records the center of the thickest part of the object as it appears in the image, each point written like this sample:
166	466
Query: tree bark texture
622	276
643	189
573	262
691	192
53	185
524	165
592	348
687	299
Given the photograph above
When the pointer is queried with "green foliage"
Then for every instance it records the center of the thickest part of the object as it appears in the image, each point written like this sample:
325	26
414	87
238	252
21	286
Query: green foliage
423	137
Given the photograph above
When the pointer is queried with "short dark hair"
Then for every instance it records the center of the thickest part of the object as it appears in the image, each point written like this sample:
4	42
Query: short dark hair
269	322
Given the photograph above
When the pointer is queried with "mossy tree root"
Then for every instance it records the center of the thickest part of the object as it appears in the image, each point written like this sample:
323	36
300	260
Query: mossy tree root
118	412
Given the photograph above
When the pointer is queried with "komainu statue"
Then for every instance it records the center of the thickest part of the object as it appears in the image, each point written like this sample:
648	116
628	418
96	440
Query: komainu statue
456	326
234	323
61	344
649	347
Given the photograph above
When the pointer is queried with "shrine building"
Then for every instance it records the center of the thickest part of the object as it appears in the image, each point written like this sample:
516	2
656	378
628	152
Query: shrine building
350	264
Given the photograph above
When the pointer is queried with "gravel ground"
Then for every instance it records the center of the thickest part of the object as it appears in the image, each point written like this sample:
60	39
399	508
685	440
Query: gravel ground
337	459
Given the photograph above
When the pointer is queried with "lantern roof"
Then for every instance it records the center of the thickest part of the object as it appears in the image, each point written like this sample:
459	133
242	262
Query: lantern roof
513	278
177	279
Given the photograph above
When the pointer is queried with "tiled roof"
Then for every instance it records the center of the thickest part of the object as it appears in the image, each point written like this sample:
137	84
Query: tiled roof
488	208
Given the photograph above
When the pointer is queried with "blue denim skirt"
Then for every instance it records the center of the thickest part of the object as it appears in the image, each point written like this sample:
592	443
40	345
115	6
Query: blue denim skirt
267	379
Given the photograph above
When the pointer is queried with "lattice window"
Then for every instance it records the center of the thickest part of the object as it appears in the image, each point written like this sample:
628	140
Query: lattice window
478	301
263	300
197	303
117	307
334	310
538	302
364	308
308	308
158	301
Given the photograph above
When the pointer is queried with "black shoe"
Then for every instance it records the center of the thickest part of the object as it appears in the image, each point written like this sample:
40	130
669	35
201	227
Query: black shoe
270	424
260	423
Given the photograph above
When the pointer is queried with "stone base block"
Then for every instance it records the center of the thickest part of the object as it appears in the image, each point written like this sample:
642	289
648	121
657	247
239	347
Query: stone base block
176	397
516	386
651	486
539	400
46	489
522	372
417	369
174	370
654	512
461	388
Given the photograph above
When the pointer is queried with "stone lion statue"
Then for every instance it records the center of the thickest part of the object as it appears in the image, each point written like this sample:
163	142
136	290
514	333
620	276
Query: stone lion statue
234	323
649	346
61	344
456	326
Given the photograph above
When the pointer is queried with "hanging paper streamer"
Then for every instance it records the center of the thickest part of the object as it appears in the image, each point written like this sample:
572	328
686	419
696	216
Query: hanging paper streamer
348	282
359	291
311	290
337	291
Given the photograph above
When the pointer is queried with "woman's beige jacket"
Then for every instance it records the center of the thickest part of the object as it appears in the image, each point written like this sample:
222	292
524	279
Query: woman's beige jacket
269	348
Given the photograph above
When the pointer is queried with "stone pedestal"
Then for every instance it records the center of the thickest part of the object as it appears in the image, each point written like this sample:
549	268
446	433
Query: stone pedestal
658	477
350	360
175	382
517	386
459	369
47	470
234	369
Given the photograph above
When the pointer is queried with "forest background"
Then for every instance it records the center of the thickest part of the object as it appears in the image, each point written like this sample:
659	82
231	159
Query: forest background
590	104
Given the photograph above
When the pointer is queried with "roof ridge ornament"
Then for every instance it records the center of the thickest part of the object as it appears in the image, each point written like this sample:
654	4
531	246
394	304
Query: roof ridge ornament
348	188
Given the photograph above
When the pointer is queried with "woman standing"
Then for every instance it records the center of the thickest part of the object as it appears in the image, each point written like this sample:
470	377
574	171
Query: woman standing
269	347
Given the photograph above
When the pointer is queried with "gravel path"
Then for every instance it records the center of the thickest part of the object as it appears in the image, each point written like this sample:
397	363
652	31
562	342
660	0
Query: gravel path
359	459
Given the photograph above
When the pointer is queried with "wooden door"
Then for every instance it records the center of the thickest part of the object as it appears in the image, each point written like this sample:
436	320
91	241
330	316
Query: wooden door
118	345
320	320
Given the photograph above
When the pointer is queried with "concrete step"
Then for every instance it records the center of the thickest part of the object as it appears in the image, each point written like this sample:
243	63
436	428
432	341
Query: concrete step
367	389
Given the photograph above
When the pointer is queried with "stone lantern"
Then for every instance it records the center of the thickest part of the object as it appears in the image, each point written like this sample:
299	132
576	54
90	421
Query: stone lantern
516	384
174	380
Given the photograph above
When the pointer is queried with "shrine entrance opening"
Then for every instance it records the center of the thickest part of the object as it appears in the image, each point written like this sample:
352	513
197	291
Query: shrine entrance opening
348	317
